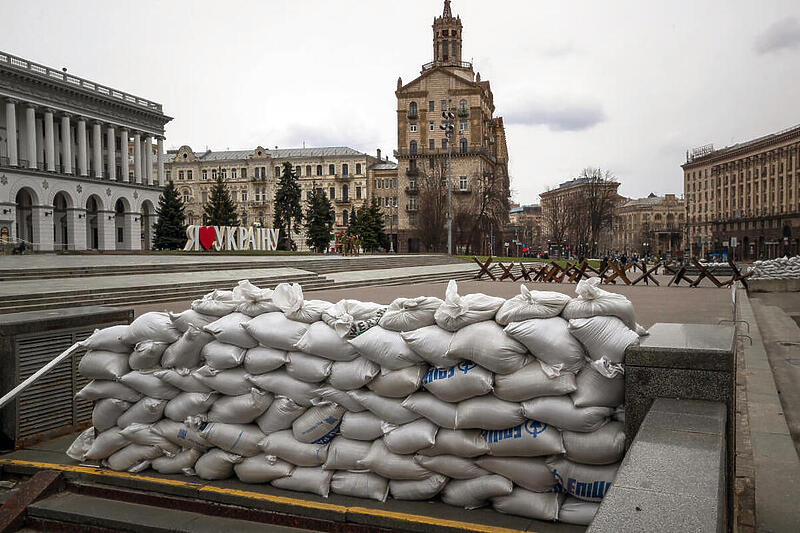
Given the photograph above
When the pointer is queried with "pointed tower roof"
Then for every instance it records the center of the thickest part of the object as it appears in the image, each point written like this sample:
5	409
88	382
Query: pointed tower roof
447	13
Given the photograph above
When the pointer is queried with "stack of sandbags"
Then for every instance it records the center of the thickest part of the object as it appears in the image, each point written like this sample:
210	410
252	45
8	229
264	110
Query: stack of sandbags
780	268
479	400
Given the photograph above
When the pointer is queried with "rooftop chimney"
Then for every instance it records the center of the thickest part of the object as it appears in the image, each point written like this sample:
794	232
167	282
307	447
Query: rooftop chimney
379	154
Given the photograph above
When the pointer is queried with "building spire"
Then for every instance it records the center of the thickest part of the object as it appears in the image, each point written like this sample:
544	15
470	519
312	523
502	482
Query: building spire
447	13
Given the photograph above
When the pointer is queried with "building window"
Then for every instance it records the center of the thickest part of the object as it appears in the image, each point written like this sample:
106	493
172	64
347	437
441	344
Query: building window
344	217
233	173
378	183
205	197
386	183
462	183
358	193
204	174
169	175
462	106
412	147
431	144
358	169
180	175
319	170
297	171
462	125
394	201
186	196
308	170
244	173
444	144
191	219
331	170
444	105
263	173
413	127
214	174
224	173
412	110
345	169
394	183
463	146
431	126
277	172
431	104
244	196
332	193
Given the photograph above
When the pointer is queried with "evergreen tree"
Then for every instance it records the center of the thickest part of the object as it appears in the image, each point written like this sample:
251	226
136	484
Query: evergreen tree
288	212
220	209
319	221
170	229
369	226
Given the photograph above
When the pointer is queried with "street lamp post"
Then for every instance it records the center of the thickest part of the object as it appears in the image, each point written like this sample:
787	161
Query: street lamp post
448	126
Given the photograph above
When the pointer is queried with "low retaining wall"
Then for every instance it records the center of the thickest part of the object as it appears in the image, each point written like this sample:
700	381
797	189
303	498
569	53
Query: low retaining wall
773	285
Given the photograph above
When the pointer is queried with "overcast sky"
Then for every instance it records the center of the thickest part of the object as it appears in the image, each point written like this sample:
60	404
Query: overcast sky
627	86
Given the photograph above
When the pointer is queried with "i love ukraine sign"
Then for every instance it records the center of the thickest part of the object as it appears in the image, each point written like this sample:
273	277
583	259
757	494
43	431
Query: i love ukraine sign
230	238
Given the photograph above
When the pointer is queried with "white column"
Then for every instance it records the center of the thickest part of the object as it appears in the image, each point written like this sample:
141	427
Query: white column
30	133
49	141
76	228
160	161
11	130
145	176
111	158
123	155
137	157
97	149
66	144
83	169
148	158
106	232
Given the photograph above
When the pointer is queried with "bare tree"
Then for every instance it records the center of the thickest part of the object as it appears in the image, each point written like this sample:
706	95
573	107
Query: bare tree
556	218
598	203
431	226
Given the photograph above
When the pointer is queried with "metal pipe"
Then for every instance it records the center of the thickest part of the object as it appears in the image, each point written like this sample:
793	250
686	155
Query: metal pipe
39	373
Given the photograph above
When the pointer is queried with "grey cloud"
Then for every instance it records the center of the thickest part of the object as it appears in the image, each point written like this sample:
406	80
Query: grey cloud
558	117
782	34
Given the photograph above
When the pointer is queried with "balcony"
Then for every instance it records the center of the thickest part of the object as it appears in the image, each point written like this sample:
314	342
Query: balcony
447	63
411	208
344	176
412	191
342	201
463	112
412	171
413	116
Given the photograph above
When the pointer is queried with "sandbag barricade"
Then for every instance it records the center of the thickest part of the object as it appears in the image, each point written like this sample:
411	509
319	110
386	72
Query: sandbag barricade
517	412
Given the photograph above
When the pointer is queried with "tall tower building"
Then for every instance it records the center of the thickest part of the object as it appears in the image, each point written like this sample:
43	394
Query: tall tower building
472	162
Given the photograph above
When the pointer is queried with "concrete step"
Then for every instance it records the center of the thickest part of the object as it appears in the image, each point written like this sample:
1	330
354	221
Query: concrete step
68	508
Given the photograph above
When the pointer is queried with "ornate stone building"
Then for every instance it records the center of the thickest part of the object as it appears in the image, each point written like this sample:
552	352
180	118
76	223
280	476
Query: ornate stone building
653	224
343	173
749	191
524	229
67	181
479	153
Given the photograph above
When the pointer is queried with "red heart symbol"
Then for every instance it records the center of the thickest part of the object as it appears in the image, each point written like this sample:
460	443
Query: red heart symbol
207	236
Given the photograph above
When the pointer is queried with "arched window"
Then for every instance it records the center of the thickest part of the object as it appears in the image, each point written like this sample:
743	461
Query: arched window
345	192
345	169
186	194
463	145
412	110
319	170
412	147
331	170
462	105
358	169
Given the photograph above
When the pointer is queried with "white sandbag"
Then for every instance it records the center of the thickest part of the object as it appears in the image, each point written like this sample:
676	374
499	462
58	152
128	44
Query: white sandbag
106	412
176	463
579	512
398	383
322	340
181	434
216	464
254	300
222	356
363	426
460	382
535	505
431	344
595	389
601	447
531	381
260	360
132	457
81	445
231	382
283	444
280	383
360	485
531	439
308	368
216	308
147	354
228	329
531	304
603	336
242	409
314	480
459	442
487	344
488	412
288	297
349	375
144	435
458	311
185	353
108	339
411	437
101	388
416	490
587	482
387	409
329	394
452	466
145	411
345	315
550	341
319	424
476	492
100	364
407	314
276	331
105	444
190	317
280	415
559	411
344	453
594	301
152	326
391	465
262	469
385	348
241	439
530	473
146	382
182	379
441	413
